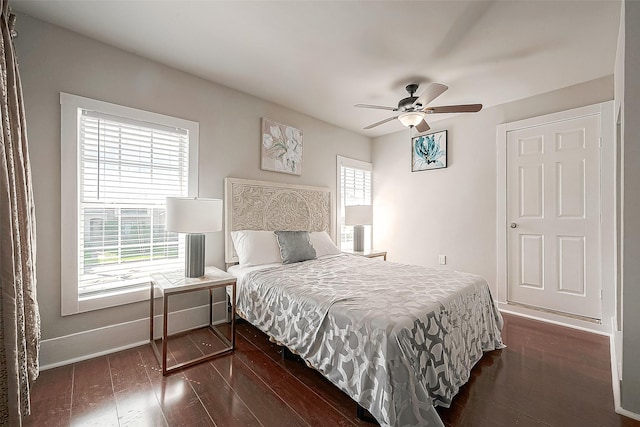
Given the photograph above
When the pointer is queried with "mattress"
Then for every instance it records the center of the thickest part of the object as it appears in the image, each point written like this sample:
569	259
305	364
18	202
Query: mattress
399	339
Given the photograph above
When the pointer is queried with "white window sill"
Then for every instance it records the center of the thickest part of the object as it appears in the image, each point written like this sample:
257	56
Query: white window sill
110	300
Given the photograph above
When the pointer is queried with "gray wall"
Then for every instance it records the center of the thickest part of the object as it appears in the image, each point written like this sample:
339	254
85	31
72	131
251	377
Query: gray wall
54	60
452	211
627	94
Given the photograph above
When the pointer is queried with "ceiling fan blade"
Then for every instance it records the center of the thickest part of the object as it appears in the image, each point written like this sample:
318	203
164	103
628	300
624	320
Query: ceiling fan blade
467	108
432	91
422	126
378	107
380	122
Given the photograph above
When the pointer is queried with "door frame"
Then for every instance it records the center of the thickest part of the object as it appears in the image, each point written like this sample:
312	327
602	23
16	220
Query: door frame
608	236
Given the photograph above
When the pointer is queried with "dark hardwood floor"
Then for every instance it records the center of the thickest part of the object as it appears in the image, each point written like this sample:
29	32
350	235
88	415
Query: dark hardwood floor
547	376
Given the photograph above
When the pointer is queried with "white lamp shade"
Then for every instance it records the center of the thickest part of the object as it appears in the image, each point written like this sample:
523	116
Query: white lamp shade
358	215
411	119
193	215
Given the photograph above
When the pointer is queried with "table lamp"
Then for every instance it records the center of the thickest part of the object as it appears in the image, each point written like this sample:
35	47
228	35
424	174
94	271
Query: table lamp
358	216
194	216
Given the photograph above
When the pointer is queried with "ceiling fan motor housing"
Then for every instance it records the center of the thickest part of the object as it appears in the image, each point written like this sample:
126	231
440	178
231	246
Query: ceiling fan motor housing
406	104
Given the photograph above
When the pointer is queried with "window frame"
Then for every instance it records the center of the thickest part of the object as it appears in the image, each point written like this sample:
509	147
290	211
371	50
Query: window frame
356	164
70	187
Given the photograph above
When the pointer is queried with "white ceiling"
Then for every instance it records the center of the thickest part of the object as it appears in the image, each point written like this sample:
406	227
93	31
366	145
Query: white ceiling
321	57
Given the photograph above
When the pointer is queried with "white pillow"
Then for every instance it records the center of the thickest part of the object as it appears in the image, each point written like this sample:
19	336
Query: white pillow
256	247
323	244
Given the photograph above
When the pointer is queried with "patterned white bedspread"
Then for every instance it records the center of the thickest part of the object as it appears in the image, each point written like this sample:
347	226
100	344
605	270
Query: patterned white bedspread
399	339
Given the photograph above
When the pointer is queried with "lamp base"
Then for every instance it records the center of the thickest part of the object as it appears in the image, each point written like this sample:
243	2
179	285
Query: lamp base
194	255
358	238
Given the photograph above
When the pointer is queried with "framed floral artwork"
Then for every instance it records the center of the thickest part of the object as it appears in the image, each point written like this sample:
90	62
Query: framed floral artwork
281	149
429	151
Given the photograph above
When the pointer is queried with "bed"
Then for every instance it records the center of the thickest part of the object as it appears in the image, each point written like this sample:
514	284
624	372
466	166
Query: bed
398	339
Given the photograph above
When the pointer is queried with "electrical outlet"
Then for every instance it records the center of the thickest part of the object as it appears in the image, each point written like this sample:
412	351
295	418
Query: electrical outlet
442	259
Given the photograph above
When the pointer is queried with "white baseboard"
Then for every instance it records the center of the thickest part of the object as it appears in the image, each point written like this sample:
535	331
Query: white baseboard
85	345
627	414
556	319
616	375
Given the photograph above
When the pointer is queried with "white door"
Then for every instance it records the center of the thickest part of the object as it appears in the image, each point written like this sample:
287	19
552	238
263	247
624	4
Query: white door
553	215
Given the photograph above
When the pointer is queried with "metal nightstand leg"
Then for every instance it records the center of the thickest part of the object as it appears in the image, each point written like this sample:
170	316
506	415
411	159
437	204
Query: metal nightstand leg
162	358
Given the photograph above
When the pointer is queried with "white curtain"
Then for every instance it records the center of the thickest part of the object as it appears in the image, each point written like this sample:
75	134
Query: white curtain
19	317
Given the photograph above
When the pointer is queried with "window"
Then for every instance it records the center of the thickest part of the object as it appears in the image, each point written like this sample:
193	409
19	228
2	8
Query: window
354	188
118	166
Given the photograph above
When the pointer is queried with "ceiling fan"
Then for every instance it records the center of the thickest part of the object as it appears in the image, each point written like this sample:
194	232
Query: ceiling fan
414	108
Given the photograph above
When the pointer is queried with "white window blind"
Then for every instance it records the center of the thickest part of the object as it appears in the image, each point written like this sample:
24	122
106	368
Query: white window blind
356	184
126	170
355	189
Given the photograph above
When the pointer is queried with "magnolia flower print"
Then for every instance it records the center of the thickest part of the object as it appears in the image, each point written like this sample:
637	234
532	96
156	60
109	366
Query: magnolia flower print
283	145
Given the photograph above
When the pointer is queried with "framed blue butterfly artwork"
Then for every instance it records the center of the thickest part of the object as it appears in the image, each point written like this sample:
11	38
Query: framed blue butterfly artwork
429	151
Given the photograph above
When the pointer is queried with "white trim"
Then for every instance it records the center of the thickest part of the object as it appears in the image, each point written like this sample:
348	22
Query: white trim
616	374
608	209
501	213
69	106
85	345
353	163
115	299
556	319
561	116
619	209
620	410
607	177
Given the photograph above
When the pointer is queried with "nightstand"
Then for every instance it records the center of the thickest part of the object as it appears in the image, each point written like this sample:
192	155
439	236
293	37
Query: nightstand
371	253
173	283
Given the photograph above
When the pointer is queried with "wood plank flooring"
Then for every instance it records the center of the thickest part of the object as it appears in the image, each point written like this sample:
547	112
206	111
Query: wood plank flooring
547	376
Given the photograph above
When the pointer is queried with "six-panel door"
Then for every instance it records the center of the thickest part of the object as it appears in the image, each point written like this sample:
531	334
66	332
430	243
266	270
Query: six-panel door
553	213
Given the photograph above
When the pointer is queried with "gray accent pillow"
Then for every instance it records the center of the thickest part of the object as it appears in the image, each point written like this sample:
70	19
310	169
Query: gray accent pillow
295	246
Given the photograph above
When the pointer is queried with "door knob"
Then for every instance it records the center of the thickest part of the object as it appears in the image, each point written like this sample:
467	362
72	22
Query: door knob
513	225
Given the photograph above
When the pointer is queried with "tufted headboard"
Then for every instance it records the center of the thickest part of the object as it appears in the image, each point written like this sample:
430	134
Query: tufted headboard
263	205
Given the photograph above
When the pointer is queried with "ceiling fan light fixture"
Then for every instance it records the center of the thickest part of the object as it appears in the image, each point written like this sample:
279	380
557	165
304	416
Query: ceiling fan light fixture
411	118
